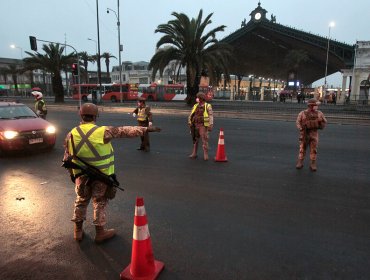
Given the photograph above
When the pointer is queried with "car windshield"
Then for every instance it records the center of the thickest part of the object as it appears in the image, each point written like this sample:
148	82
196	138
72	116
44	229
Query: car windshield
16	112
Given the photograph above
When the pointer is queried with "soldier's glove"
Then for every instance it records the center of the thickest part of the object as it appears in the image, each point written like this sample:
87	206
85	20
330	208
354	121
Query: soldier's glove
153	129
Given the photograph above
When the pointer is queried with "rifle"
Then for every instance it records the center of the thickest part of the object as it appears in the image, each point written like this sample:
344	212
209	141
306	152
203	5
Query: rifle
91	171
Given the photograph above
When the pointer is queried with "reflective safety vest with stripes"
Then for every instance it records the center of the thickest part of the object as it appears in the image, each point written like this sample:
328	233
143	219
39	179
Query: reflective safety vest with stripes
141	115
205	113
40	105
89	145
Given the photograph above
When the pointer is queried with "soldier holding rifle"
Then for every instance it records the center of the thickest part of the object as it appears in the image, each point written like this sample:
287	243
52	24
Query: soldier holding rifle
89	146
308	122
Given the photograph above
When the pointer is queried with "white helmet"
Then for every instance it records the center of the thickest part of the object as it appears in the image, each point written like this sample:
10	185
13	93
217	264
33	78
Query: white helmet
37	94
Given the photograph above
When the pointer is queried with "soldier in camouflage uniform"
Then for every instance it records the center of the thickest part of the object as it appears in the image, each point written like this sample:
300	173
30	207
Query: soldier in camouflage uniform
200	122
145	119
308	122
92	143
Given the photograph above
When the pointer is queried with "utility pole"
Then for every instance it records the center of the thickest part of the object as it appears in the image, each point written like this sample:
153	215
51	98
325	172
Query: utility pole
97	23
65	53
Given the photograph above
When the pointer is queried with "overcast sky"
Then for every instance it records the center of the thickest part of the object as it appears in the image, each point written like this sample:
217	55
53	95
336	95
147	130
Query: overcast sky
76	20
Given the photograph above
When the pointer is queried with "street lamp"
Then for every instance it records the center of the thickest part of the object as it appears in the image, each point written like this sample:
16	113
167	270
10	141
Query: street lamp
16	47
119	47
96	52
331	24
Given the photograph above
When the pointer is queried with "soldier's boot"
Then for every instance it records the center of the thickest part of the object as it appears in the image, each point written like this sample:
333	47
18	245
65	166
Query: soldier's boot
78	231
299	164
194	152
103	234
205	154
313	166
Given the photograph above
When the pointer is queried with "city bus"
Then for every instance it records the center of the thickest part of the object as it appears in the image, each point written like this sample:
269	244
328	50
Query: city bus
170	92
82	91
111	92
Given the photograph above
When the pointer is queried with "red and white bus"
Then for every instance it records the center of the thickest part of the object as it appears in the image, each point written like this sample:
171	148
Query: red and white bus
108	92
85	89
111	92
155	92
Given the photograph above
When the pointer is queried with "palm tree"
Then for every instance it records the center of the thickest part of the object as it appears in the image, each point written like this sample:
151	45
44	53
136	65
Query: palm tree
186	42
107	56
294	58
85	58
4	72
54	62
14	71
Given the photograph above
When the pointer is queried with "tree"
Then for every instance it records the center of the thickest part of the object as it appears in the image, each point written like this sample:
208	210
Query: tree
85	59
54	62
4	72
294	58
107	56
14	71
186	43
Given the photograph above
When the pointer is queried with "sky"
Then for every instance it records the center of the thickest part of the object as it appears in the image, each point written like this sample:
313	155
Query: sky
73	21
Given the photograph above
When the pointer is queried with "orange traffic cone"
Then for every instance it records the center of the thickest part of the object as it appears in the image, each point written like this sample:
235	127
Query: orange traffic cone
220	155
143	266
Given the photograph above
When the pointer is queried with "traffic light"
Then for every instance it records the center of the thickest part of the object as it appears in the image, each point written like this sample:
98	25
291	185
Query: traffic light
33	43
74	69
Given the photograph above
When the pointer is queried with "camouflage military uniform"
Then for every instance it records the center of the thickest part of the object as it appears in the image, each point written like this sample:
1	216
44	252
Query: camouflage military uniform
144	119
308	122
95	190
199	126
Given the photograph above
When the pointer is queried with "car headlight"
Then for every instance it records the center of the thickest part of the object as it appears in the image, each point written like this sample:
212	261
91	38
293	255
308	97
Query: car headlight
50	129
10	134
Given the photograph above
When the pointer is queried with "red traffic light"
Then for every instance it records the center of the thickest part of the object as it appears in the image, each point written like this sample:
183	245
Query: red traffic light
74	69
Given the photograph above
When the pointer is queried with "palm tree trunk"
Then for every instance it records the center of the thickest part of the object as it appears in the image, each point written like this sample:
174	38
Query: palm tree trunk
58	88
192	90
15	81
107	64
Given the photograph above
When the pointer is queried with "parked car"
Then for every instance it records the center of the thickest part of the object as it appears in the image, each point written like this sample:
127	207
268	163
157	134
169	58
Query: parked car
21	129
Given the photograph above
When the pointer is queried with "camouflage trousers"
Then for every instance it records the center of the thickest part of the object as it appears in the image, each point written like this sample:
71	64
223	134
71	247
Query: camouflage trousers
204	135
308	138
145	144
87	190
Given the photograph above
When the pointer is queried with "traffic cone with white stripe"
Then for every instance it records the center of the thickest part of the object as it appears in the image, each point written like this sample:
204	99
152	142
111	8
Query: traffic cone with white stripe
143	266
220	155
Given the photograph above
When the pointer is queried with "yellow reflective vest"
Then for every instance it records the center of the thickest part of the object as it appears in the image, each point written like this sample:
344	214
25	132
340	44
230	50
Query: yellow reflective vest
88	144
141	114
205	113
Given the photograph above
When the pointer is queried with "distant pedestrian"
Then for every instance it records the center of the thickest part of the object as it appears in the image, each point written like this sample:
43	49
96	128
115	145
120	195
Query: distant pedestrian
40	106
308	122
200	122
144	119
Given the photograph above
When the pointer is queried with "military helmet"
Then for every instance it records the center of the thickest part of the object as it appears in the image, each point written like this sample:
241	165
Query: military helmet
36	94
89	109
313	102
201	95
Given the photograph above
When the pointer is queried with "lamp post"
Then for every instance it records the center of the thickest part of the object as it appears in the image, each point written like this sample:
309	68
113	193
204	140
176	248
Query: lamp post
119	48
331	24
98	31
96	51
16	47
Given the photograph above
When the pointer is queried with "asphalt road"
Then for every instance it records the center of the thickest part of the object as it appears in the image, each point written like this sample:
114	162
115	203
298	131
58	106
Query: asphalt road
254	217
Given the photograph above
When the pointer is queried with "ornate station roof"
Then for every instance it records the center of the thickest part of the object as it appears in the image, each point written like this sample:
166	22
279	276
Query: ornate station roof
269	49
